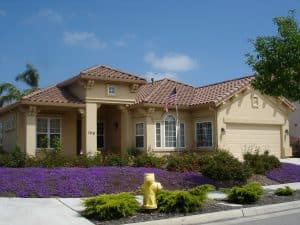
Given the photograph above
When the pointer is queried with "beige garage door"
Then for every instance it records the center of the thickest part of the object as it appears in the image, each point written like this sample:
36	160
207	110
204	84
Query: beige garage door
241	138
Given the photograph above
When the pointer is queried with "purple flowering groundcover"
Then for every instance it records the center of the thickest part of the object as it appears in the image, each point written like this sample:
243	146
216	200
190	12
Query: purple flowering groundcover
84	182
286	173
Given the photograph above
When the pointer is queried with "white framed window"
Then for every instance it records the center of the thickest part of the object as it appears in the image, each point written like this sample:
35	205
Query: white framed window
100	134
1	133
47	131
139	135
111	90
181	135
158	143
204	134
170	131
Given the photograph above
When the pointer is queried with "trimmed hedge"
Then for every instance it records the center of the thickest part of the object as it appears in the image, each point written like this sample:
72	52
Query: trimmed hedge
110	206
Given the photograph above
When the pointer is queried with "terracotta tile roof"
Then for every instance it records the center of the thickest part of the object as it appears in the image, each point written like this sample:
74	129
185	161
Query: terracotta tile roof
157	92
215	93
109	73
52	94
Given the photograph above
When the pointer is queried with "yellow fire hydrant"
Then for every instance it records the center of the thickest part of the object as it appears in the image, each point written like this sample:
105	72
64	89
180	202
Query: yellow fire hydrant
150	187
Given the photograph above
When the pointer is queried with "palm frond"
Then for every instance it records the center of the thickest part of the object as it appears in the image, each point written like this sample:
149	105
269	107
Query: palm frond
9	94
30	76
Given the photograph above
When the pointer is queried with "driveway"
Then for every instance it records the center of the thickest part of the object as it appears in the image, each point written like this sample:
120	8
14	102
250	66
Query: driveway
295	161
39	211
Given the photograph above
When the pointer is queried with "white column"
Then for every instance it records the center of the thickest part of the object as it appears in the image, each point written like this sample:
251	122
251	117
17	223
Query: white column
91	128
30	131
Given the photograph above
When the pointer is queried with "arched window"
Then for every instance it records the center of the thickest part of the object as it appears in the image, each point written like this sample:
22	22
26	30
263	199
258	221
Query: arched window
170	131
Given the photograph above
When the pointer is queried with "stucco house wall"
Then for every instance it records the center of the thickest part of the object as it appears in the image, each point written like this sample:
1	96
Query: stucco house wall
251	110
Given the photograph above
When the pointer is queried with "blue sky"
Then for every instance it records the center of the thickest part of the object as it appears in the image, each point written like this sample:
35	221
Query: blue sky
198	42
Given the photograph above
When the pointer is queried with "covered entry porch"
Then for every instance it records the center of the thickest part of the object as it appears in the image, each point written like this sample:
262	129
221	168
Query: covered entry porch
104	127
81	130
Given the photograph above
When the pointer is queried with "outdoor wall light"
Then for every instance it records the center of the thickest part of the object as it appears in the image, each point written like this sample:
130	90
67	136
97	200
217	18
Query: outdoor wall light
222	130
286	131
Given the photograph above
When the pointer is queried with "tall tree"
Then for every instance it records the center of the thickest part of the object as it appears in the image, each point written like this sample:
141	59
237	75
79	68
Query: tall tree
9	93
276	60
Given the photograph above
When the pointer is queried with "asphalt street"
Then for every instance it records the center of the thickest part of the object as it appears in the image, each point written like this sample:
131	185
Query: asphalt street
290	217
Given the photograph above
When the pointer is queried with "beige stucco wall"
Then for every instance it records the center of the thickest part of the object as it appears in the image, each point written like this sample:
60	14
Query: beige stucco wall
97	92
240	110
294	120
149	116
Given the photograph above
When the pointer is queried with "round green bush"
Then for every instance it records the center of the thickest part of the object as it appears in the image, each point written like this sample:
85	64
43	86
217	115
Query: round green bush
222	166
110	206
247	194
285	191
183	201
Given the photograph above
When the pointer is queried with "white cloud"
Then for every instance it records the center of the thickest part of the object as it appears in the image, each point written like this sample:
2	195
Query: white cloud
123	41
171	62
2	12
50	15
158	76
83	39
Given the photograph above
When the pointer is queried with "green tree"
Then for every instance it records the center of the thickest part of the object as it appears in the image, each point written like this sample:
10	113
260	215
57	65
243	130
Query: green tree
276	60
10	93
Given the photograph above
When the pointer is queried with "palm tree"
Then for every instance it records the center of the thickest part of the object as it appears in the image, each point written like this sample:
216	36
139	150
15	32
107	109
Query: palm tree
9	93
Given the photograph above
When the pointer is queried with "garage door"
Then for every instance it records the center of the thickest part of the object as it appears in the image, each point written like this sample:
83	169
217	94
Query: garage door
241	138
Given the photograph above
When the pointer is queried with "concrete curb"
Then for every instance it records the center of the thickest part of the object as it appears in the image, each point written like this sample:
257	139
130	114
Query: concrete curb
224	215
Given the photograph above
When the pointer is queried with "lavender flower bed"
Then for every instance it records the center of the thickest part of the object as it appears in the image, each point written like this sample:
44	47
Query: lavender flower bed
83	182
286	173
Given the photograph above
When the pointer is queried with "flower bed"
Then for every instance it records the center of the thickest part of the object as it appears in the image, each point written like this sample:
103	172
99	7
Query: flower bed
84	182
286	173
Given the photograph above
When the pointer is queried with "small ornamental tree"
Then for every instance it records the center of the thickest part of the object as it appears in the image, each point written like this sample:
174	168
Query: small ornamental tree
276	60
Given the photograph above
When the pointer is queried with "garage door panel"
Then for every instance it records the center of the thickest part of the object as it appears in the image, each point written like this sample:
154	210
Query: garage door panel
242	138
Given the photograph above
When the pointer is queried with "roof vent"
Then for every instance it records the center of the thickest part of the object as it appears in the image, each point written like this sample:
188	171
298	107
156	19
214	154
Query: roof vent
152	80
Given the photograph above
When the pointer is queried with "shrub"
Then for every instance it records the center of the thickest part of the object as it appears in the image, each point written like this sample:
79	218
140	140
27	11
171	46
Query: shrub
148	160
110	206
261	163
285	191
15	158
134	152
222	166
247	194
184	162
182	201
116	160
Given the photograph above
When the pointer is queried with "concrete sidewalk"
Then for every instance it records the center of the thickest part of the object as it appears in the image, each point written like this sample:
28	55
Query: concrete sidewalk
295	161
38	211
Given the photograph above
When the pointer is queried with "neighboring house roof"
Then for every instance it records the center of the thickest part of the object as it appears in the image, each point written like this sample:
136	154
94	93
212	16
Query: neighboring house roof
52	94
102	72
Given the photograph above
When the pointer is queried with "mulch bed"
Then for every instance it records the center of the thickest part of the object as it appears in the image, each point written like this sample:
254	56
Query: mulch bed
209	207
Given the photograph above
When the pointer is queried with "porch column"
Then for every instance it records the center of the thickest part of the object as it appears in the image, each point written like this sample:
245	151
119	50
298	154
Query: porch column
126	129
30	131
91	128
